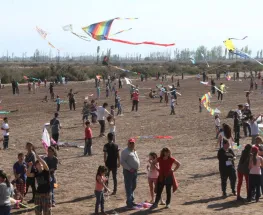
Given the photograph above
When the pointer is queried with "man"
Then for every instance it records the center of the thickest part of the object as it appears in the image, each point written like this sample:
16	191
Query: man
101	114
130	163
14	87
71	100
246	116
254	128
5	129
55	127
112	160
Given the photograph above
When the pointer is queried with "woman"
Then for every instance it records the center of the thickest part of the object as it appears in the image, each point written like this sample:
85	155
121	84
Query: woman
30	181
255	163
227	170
6	192
166	176
225	133
243	170
42	197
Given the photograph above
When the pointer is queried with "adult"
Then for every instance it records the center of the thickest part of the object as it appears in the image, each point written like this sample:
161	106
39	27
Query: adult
51	90
173	92
6	192
120	83
130	163
220	92
243	170
52	162
112	160
246	113
227	170
14	86
71	99
55	128
42	175
254	128
166	176
101	114
259	145
204	77
213	84
5	128
135	100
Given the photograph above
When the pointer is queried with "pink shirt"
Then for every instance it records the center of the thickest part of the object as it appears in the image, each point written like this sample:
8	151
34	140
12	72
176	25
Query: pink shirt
153	172
99	186
255	170
135	96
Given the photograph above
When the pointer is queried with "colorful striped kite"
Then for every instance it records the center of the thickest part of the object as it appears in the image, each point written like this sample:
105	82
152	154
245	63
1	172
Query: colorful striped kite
101	31
205	100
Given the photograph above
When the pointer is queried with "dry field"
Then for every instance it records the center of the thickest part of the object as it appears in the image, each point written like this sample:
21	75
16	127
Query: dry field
193	145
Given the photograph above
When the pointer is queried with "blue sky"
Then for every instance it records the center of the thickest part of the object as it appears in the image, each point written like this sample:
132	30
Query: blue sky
188	23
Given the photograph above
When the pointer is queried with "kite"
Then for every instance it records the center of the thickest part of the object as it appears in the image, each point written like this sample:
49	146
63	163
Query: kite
43	34
231	48
207	84
45	139
160	86
154	137
101	31
205	59
7	112
192	60
31	78
205	100
70	28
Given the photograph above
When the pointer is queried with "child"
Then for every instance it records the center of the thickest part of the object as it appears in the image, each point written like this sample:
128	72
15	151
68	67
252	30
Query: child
112	112
98	92
113	89
119	106
99	189
178	83
200	105
116	98
20	175
88	139
255	163
161	95
153	173
85	112
217	124
29	86
172	105
58	101
112	126
248	99
166	96
93	111
236	128
107	91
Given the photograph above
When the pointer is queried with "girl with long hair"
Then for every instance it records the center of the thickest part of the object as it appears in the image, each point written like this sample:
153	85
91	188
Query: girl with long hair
5	193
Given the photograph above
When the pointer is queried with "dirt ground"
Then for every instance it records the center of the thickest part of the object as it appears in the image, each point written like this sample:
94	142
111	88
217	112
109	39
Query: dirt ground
193	145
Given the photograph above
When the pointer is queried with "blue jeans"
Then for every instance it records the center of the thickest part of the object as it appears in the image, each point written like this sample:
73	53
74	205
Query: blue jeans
130	180
99	201
52	182
88	146
5	210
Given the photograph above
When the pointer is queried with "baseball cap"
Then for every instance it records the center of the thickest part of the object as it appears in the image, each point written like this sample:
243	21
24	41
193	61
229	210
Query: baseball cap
131	140
246	105
254	149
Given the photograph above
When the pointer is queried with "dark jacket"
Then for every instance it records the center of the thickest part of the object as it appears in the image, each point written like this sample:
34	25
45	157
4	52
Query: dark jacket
243	164
224	156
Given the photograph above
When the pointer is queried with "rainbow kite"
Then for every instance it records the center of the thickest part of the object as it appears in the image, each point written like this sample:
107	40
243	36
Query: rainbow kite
101	31
205	100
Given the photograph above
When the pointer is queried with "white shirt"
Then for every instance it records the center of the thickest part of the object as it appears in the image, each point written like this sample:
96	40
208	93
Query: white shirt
5	126
172	102
217	122
254	128
101	113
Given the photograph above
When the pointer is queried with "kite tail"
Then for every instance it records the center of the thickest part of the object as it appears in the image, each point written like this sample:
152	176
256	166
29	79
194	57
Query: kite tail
140	43
238	39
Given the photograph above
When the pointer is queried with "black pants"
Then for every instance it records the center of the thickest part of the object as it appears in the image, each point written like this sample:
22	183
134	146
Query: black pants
160	187
254	183
72	103
58	107
225	174
220	96
114	177
161	99
246	127
55	137
102	126
135	105
31	182
237	136
14	90
5	142
172	110
213	90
